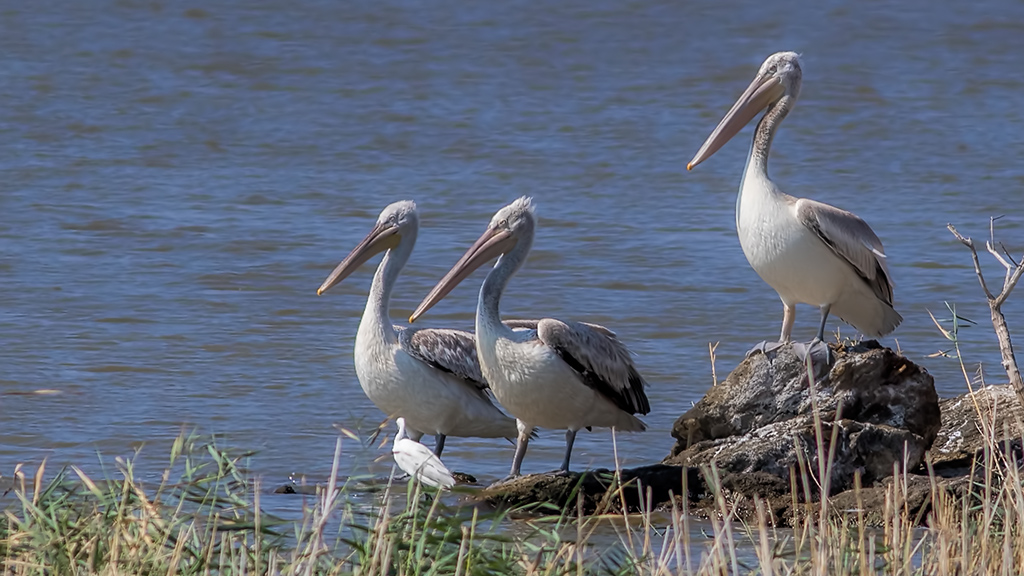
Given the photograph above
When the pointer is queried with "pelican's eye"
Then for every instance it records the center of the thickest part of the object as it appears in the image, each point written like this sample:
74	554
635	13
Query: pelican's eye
774	68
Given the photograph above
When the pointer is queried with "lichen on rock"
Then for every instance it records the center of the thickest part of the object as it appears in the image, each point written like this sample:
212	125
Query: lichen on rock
962	437
761	419
596	489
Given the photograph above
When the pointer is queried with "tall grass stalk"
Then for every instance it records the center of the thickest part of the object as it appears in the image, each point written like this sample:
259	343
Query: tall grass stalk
203	517
210	524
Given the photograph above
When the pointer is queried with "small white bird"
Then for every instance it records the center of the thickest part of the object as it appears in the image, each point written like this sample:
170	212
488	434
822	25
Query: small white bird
419	461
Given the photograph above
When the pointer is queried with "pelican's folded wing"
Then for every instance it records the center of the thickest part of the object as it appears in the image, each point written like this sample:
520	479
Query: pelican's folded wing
522	324
453	351
851	239
602	362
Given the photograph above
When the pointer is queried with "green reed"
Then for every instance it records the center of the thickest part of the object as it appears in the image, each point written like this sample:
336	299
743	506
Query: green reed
203	516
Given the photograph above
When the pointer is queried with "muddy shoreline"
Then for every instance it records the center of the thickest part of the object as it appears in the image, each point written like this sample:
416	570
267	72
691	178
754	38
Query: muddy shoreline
885	434
757	436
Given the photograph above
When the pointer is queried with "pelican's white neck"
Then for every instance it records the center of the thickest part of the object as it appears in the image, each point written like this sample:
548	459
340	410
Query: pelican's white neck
487	310
755	175
765	133
376	316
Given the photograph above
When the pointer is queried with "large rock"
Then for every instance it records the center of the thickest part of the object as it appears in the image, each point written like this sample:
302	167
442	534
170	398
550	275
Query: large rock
753	426
762	416
917	497
596	490
961	438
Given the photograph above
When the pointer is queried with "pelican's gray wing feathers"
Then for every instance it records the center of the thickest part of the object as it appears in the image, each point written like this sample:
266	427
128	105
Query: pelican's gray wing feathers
452	351
850	238
601	360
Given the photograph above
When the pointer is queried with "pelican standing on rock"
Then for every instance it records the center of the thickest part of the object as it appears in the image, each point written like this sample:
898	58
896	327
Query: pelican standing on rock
546	373
809	252
430	377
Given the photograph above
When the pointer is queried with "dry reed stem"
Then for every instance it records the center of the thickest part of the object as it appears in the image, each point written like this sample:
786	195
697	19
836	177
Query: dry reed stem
1014	271
154	532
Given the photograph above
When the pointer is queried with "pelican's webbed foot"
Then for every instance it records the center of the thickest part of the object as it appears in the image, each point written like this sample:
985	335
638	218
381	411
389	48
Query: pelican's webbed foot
818	352
764	347
506	479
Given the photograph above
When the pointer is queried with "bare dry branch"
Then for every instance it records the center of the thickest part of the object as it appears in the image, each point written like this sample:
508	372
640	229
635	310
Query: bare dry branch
967	241
1013	271
1007	254
1009	284
1013	274
974	254
992	250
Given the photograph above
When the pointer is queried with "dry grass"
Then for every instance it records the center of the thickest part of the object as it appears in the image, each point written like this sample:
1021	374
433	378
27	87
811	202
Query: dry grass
206	522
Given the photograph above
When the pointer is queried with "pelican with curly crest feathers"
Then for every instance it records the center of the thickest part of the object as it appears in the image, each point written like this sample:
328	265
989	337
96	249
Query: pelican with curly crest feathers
808	251
430	377
549	373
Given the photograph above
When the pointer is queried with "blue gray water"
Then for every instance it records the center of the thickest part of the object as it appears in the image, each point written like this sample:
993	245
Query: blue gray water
176	182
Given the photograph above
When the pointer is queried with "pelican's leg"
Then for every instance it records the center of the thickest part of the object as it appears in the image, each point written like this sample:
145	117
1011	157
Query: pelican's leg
817	350
438	444
788	316
570	438
522	441
824	319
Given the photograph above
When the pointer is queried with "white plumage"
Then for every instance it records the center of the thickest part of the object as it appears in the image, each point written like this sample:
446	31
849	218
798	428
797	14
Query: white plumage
809	252
547	373
419	462
430	377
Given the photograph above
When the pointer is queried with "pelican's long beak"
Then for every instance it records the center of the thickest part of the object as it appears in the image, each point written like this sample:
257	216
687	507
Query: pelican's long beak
763	91
492	244
382	237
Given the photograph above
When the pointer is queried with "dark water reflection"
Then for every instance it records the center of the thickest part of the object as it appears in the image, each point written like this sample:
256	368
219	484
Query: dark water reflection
177	182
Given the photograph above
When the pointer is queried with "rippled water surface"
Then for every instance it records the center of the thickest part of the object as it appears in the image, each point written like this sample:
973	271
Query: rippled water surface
176	182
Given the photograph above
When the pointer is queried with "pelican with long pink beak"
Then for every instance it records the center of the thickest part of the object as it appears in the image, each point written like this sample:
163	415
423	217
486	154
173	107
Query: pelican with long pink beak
427	376
547	373
809	252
